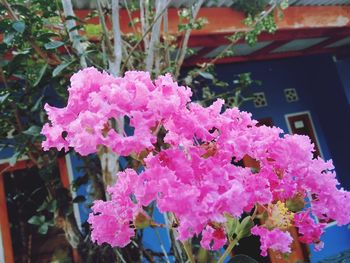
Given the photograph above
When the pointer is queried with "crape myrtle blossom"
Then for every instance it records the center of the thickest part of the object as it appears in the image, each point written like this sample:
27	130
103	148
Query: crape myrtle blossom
194	173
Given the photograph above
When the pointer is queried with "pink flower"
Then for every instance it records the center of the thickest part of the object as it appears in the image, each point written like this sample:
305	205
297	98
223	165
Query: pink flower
213	239
310	230
110	223
194	174
275	239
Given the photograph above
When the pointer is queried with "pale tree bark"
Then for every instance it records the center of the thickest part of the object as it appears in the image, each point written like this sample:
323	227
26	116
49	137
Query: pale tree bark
117	37
73	34
109	159
144	21
155	35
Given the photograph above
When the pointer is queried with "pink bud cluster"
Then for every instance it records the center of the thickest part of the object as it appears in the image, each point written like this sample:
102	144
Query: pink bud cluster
196	176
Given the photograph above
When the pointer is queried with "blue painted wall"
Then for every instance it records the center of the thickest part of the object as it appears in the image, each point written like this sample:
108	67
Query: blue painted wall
320	92
343	67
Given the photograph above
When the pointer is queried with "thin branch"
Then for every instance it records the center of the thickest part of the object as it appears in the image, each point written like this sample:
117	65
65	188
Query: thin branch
145	34
130	16
228	250
144	22
73	34
186	39
3	78
161	245
155	36
109	47
188	250
166	40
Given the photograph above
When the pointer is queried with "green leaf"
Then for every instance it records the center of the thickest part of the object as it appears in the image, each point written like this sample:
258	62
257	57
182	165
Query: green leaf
74	18
245	226
46	36
42	207
43	228
9	37
37	104
4	97
60	68
41	74
52	206
33	130
79	199
21	8
36	220
232	225
19	26
295	204
53	44
206	75
21	52
14	158
77	27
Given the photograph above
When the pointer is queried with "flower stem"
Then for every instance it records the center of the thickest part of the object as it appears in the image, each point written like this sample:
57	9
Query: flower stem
188	250
228	250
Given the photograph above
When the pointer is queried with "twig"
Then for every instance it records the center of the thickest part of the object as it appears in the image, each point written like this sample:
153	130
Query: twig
144	35
188	250
228	250
165	29
144	22
255	211
3	78
109	47
161	245
155	35
186	39
129	15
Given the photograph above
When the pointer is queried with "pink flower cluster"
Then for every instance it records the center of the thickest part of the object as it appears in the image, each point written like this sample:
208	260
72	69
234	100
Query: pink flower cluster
195	175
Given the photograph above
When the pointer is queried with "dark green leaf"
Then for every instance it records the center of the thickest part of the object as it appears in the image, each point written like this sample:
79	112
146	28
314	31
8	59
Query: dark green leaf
53	45
42	207
79	199
52	206
21	8
4	97
19	26
60	68
36	220
46	36
41	74
74	18
37	104
33	130
43	228
77	27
